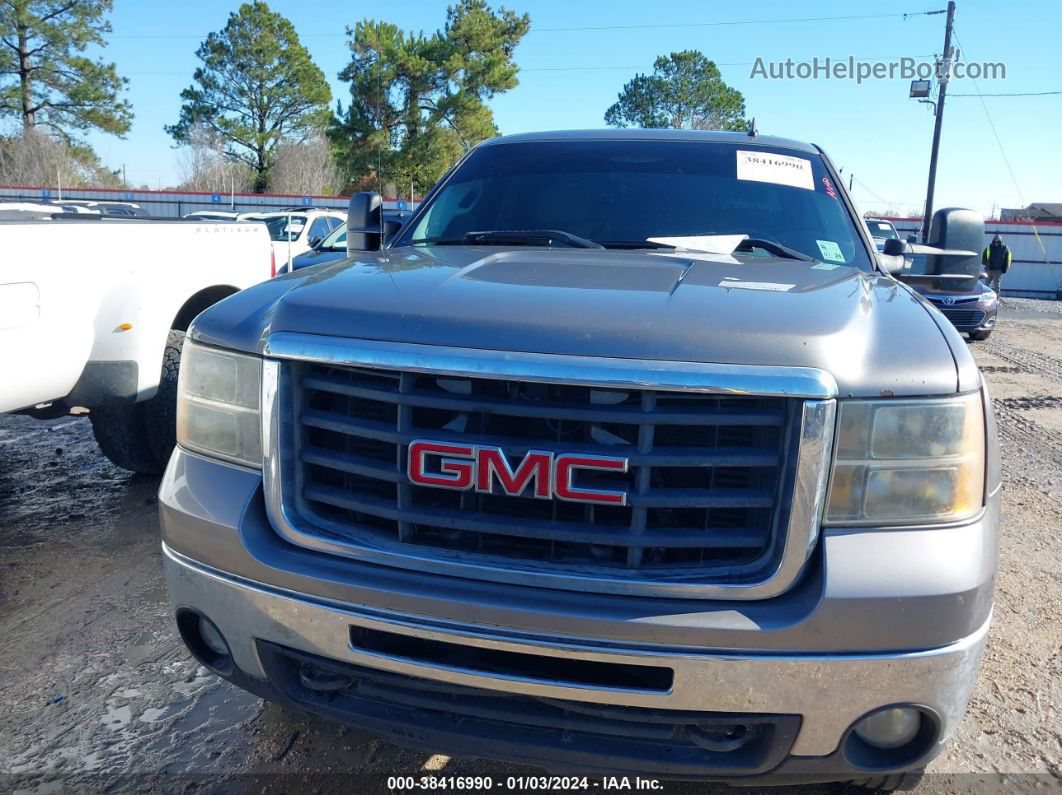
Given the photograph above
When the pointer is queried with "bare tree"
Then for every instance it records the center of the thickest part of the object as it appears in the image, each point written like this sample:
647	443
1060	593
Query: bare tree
204	166
304	168
33	157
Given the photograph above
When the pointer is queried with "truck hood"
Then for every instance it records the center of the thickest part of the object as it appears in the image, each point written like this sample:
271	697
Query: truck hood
872	334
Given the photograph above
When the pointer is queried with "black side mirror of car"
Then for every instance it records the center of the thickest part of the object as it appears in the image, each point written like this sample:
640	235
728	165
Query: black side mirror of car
891	257
392	228
894	247
316	241
364	216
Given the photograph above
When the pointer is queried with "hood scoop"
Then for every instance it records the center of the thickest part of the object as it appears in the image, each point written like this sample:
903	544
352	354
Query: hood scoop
577	269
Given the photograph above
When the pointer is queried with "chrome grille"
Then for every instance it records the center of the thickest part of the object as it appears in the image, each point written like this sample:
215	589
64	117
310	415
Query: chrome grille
708	484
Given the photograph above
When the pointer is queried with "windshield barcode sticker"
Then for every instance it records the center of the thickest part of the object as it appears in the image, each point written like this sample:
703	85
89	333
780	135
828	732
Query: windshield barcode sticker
778	169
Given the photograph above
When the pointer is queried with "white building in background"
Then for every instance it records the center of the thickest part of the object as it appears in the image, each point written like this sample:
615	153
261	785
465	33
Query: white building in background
1037	211
175	204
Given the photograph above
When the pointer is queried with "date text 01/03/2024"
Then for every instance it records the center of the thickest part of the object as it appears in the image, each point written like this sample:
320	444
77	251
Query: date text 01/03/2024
516	783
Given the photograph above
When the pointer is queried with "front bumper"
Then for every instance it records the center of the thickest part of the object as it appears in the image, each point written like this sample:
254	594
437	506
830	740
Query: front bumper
881	618
822	694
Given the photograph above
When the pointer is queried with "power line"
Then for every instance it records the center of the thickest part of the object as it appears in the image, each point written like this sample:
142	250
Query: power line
860	59
863	59
647	26
1006	161
1017	94
872	193
726	23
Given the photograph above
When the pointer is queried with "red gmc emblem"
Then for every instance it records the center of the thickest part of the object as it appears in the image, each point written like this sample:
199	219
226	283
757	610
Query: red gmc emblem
463	467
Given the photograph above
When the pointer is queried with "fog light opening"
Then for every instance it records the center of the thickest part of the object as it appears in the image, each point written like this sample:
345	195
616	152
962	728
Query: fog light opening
893	737
212	637
205	641
889	728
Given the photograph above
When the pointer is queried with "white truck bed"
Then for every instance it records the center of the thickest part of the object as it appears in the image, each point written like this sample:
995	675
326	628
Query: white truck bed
88	299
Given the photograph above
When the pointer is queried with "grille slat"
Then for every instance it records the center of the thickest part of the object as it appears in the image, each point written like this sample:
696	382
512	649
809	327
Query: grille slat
649	498
661	456
705	480
543	409
354	464
690	537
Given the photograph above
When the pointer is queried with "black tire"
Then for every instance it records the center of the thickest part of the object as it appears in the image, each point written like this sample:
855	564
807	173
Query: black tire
121	433
161	411
979	336
140	437
893	782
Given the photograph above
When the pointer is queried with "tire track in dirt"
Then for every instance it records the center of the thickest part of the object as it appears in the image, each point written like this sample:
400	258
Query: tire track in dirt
1019	430
1014	426
1029	361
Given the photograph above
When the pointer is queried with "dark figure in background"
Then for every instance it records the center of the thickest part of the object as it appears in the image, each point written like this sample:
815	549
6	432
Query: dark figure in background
996	261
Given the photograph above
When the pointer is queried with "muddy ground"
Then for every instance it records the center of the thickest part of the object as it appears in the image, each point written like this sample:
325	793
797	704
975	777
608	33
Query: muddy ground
97	692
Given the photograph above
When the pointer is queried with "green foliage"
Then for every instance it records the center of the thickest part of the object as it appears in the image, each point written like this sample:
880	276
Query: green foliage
46	80
418	102
256	88
685	91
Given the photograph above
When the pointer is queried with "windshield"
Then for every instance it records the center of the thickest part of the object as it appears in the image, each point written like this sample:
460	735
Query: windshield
882	229
622	192
336	241
282	226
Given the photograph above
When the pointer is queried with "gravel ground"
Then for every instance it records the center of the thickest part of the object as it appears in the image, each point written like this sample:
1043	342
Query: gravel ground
100	694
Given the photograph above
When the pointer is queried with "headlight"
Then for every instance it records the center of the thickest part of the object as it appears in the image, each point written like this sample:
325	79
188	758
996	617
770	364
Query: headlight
908	461
219	396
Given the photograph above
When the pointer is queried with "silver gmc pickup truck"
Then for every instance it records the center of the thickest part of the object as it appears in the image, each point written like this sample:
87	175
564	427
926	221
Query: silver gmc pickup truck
625	454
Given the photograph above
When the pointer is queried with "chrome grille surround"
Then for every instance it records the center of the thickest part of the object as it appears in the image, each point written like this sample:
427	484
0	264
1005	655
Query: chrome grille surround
806	472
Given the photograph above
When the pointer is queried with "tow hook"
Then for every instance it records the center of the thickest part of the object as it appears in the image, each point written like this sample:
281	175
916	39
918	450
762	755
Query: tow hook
314	678
721	739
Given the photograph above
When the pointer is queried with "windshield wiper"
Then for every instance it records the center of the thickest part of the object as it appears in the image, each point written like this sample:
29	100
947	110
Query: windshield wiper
635	244
513	237
773	247
748	244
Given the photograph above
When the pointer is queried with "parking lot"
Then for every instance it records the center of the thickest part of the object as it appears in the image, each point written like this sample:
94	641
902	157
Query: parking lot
97	685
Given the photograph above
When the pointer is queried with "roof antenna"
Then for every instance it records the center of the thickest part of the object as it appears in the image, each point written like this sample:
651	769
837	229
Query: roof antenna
752	127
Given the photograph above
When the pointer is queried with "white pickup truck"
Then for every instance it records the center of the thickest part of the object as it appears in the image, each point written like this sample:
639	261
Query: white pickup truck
93	314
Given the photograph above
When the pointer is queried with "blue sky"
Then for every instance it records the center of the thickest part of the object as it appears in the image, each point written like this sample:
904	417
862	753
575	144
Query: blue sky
569	77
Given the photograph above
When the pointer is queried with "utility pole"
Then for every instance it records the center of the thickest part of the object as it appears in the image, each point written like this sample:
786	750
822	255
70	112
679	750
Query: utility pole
942	78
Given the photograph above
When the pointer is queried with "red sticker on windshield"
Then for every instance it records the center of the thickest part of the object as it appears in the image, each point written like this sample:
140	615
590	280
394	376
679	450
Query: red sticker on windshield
829	188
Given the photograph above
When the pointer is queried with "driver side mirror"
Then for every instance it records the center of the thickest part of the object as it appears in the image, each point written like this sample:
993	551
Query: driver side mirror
891	257
316	241
364	214
894	247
